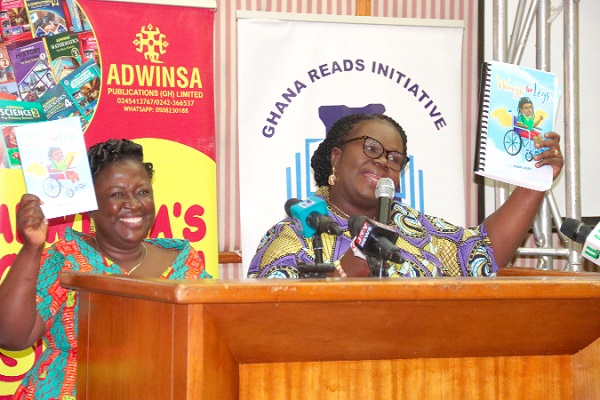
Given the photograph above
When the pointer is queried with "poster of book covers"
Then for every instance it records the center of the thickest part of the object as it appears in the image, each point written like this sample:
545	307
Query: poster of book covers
14	20
64	54
138	80
310	73
12	114
32	69
8	82
48	17
55	166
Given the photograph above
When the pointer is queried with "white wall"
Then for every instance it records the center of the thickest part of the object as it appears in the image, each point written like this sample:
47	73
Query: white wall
589	87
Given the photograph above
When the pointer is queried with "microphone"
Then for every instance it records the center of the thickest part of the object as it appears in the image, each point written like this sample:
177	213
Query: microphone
384	191
311	215
585	235
375	239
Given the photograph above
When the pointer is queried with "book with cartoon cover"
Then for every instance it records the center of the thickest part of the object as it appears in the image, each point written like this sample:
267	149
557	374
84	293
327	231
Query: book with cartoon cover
517	105
83	85
48	17
55	166
32	70
14	113
63	53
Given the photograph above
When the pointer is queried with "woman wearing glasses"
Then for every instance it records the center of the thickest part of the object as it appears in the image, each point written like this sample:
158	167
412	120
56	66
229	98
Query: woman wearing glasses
359	150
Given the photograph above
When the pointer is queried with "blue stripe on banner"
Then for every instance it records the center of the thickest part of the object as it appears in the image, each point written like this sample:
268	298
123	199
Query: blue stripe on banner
421	192
298	180
288	182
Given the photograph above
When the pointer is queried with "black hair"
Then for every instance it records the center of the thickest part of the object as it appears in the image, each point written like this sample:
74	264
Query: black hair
51	150
105	153
522	102
321	158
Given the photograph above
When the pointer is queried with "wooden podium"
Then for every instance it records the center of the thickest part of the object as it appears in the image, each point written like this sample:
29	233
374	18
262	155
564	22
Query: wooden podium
442	338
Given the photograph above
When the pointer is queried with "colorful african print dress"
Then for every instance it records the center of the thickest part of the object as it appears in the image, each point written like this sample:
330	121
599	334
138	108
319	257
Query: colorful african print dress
430	247
53	375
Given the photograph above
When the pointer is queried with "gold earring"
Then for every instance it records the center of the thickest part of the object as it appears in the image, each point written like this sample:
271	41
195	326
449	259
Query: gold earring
332	178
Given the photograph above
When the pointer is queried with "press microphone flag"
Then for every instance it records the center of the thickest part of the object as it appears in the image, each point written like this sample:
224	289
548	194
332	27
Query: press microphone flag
384	191
585	235
375	239
311	215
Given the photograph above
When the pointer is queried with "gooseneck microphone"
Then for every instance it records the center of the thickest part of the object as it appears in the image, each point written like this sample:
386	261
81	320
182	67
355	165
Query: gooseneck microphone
311	216
384	191
584	234
375	239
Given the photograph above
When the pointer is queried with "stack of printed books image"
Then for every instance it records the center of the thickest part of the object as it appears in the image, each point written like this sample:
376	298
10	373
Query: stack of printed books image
49	87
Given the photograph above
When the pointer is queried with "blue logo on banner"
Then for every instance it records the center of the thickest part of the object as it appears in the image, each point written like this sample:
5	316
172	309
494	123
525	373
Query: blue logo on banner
301	185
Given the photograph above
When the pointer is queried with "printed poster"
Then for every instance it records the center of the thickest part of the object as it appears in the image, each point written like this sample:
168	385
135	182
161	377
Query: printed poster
297	76
156	64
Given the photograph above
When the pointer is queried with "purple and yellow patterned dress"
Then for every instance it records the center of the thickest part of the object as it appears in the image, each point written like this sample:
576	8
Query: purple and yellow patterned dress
53	375
430	246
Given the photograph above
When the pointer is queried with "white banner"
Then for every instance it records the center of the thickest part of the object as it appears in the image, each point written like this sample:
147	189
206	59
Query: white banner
297	76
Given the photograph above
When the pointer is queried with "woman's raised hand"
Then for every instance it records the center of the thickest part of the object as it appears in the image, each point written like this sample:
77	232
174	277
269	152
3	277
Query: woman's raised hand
31	223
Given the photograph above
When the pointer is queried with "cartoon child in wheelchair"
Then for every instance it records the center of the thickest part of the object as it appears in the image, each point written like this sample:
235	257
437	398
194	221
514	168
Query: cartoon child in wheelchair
524	132
61	174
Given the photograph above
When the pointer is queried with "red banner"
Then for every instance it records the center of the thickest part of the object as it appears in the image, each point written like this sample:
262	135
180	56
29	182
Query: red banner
155	87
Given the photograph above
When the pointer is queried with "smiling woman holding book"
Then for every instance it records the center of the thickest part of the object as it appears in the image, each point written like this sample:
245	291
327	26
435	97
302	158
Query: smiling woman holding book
358	151
32	303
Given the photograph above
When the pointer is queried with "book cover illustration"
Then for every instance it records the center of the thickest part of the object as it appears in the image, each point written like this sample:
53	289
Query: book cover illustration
8	82
32	70
48	17
73	9
84	20
13	113
89	47
63	53
517	106
83	85
14	20
58	104
55	166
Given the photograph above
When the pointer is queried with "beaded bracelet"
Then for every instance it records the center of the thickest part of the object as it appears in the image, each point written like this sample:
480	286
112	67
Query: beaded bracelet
338	266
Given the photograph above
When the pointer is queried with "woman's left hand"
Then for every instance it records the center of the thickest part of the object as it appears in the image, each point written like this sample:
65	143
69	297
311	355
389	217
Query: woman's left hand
552	156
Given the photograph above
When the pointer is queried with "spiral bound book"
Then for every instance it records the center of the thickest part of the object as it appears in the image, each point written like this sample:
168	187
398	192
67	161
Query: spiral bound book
517	105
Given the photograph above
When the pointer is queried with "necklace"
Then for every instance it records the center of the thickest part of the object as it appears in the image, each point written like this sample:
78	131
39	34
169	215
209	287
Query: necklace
337	210
136	265
140	263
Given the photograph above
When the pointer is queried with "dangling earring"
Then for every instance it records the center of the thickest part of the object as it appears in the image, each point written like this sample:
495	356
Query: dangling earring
332	178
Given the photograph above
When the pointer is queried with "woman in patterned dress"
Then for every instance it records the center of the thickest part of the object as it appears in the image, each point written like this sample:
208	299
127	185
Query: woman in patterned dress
360	149
33	305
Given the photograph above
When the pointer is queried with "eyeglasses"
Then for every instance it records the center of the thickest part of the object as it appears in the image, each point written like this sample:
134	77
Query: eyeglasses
374	149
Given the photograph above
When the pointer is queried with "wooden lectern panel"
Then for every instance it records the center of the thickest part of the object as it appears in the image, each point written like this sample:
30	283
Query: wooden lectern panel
498	338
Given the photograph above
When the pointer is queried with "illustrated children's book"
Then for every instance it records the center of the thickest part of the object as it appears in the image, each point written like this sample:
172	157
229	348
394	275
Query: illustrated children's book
32	71
13	113
517	106
55	166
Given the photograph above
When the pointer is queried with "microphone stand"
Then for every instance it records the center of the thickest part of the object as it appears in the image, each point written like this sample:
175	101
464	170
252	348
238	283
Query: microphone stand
377	266
318	269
